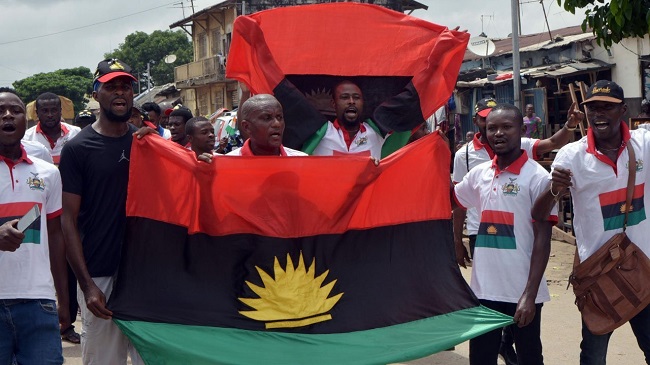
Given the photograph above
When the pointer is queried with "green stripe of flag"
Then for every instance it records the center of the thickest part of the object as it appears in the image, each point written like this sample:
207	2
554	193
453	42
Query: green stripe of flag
32	236
167	344
494	241
616	222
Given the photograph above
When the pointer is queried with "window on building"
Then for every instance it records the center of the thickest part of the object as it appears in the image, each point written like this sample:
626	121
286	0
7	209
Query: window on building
203	46
216	42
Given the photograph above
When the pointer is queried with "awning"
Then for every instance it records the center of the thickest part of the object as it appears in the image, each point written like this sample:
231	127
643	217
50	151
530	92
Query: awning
555	71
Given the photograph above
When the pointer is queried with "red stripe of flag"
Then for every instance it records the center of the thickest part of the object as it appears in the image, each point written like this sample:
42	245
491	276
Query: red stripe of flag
618	196
16	209
497	217
229	208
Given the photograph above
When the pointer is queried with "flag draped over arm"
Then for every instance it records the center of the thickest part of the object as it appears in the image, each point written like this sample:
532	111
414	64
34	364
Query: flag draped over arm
292	260
405	66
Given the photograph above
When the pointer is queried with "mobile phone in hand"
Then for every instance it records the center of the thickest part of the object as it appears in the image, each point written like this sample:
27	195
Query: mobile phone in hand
29	218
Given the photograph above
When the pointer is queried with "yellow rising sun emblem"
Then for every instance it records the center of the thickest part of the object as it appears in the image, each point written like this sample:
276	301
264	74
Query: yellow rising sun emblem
295	298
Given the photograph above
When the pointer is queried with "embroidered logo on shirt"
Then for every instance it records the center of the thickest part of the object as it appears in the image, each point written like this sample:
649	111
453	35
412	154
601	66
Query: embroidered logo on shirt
511	188
639	165
361	141
123	157
35	182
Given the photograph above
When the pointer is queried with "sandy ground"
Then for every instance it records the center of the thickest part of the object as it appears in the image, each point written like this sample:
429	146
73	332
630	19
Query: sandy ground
560	325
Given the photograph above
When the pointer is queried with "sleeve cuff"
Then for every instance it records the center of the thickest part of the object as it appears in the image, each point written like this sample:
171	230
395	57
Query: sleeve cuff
54	214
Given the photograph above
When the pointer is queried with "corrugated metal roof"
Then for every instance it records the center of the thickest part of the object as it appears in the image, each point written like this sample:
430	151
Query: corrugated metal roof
534	42
554	71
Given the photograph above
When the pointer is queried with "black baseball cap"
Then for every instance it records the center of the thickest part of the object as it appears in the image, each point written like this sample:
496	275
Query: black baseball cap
484	106
111	68
605	90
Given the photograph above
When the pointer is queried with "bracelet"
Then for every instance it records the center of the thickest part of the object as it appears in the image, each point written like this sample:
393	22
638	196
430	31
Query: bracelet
551	190
569	129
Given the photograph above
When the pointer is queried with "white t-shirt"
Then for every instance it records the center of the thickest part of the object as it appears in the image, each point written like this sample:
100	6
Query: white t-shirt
479	153
367	142
25	273
599	191
68	131
505	239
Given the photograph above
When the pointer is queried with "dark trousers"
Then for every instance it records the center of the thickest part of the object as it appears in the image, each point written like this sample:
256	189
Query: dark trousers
594	347
72	296
484	349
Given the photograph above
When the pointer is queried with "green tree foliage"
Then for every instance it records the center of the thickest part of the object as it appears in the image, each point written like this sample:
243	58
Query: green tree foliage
73	83
139	48
613	20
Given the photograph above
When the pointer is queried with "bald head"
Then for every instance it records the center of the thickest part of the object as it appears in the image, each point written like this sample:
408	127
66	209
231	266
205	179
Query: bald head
255	103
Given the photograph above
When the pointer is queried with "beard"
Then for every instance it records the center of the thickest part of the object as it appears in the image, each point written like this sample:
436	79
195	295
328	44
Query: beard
116	118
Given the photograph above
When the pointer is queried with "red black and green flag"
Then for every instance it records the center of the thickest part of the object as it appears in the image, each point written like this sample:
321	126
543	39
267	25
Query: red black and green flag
292	260
406	67
612	206
496	230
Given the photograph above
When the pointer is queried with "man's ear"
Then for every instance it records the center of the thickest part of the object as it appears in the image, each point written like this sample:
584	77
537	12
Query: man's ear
246	126
95	95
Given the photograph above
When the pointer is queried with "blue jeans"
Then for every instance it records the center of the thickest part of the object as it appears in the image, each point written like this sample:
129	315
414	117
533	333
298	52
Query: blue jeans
29	331
594	347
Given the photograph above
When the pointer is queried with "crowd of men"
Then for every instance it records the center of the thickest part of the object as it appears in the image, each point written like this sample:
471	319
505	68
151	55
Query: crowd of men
78	176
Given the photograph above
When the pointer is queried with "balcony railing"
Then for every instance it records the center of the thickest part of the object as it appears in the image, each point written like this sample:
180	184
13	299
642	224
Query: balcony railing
201	72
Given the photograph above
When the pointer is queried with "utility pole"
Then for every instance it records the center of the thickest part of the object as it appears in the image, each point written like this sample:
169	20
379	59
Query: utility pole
516	82
192	3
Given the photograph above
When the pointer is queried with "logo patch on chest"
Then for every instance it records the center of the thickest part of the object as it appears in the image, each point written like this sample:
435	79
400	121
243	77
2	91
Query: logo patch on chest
511	188
35	182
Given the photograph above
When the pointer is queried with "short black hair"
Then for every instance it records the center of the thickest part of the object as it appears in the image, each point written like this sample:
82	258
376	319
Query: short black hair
345	81
151	107
46	96
4	89
509	107
184	112
191	125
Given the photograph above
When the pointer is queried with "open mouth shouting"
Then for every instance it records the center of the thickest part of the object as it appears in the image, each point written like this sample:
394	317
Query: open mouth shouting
119	106
600	124
351	113
8	128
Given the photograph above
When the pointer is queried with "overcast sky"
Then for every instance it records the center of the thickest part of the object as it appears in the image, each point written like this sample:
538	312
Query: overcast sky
47	35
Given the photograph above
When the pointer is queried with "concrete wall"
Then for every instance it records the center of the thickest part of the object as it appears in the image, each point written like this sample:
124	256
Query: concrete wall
627	72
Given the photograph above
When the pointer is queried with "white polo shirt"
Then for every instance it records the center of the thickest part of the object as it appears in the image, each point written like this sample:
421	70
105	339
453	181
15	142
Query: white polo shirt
504	242
367	142
36	149
478	153
68	131
245	150
599	191
25	273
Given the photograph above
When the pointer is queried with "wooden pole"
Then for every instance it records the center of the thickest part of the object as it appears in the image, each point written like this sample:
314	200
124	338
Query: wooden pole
583	93
574	100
